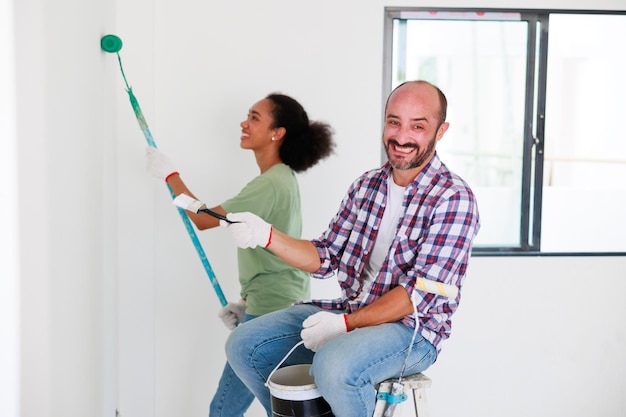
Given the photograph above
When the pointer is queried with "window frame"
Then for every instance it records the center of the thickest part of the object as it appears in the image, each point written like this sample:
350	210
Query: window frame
534	117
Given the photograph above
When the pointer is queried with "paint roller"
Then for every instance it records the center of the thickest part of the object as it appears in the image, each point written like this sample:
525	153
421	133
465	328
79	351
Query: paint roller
113	44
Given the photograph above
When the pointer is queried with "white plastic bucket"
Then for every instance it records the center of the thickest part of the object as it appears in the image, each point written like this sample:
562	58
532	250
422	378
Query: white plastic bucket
294	393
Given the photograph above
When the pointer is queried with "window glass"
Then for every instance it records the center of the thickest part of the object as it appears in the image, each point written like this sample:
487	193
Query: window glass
584	183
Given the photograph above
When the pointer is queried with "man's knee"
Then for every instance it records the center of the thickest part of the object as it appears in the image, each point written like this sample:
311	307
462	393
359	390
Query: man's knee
329	369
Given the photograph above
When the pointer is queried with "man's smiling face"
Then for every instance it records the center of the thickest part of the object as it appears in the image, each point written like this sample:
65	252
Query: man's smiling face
412	126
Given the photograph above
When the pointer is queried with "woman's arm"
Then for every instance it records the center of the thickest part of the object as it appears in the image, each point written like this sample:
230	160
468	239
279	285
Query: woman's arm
202	221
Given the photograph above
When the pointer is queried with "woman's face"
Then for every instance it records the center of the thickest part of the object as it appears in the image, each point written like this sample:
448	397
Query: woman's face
256	130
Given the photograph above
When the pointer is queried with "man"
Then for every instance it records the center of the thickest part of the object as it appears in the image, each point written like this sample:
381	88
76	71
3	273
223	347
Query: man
412	218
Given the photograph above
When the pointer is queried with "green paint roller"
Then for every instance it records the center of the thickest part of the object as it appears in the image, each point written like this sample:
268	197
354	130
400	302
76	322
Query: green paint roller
113	44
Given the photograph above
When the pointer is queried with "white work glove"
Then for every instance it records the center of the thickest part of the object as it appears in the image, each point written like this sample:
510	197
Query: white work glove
233	313
320	327
249	231
158	164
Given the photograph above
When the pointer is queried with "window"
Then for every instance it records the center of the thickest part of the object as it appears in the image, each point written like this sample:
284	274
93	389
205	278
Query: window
535	104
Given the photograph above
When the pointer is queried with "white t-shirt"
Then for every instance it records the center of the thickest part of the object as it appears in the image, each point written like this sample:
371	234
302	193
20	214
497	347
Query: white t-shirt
386	234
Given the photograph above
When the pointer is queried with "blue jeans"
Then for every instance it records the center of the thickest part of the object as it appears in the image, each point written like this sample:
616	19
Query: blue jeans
346	369
232	398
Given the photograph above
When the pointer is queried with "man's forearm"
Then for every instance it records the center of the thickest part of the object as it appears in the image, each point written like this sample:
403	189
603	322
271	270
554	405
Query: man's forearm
296	252
389	308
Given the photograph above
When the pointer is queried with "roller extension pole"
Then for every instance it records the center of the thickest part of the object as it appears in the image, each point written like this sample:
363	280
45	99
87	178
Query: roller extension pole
113	44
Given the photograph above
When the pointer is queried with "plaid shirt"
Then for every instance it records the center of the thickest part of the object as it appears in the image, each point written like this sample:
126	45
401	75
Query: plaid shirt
433	240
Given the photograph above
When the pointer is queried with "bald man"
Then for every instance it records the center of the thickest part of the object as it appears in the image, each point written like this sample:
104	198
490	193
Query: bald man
410	219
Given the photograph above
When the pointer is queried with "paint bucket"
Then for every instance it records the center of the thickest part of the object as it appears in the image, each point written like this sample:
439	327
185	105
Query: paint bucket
294	393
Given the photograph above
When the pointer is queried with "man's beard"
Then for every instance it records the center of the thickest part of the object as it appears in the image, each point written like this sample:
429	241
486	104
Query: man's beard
420	158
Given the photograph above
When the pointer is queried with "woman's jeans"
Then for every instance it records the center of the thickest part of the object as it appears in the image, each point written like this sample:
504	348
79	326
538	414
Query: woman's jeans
232	398
346	369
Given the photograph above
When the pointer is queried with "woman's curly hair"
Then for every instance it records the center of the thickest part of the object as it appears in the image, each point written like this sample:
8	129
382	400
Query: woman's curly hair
305	143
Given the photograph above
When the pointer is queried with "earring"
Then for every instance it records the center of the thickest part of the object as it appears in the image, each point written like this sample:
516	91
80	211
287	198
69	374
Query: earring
273	139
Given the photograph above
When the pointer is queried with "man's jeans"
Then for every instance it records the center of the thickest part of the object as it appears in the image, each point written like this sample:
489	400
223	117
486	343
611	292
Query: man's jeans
346	369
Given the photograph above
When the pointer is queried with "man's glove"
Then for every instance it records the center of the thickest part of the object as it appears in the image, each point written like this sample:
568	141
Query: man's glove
320	327
158	164
249	231
233	313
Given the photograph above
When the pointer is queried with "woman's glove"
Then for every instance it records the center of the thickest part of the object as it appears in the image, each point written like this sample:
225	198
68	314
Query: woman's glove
249	231
233	313
158	164
320	327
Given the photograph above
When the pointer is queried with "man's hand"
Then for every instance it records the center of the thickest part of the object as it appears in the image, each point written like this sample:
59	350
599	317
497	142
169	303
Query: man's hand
320	327
233	313
158	164
249	231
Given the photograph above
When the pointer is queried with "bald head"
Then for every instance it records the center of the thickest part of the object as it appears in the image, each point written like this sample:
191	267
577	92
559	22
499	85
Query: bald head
426	91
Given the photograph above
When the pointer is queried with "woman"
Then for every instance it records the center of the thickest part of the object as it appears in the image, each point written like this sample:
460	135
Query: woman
284	141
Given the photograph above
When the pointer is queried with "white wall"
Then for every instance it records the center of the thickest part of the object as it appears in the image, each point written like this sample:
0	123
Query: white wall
9	237
117	311
536	337
66	169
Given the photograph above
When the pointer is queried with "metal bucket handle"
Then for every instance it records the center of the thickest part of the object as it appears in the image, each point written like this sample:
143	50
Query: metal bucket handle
281	362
